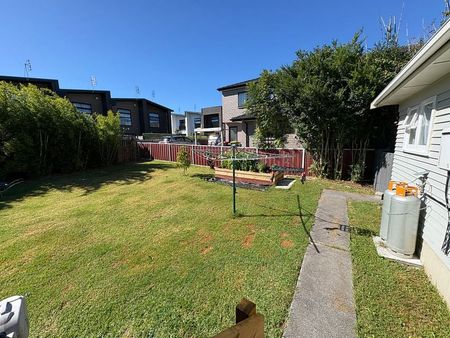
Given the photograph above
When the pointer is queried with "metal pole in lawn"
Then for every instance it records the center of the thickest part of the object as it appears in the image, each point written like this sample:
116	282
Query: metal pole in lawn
233	163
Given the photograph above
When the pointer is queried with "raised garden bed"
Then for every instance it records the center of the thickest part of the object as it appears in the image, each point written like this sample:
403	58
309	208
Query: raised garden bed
271	178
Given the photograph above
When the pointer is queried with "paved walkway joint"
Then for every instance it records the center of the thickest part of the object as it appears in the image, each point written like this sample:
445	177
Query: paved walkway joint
323	304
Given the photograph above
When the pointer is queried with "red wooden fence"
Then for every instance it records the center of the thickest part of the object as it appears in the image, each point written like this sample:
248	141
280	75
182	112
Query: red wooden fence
293	158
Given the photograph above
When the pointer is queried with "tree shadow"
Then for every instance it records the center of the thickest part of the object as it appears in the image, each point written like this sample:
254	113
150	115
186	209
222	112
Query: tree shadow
88	181
205	177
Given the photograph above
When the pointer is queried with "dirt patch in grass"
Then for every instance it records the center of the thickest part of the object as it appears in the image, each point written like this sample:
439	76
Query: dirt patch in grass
287	243
205	237
250	237
207	250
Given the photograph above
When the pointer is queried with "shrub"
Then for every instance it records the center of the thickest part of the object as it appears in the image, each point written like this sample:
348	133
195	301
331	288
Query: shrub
357	172
109	134
42	133
183	159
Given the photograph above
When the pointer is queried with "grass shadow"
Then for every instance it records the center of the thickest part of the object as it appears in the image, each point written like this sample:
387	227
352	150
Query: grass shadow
88	181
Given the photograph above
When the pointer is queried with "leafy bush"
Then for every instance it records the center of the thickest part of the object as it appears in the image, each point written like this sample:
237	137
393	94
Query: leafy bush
183	159
109	134
42	133
357	172
245	163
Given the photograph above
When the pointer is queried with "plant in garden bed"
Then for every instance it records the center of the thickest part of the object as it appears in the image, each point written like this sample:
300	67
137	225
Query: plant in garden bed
245	162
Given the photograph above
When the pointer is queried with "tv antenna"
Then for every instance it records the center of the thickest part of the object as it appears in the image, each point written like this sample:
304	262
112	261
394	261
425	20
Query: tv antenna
153	94
138	90
27	68
93	81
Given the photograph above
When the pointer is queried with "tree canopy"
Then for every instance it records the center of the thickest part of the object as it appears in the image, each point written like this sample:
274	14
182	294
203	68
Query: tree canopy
325	94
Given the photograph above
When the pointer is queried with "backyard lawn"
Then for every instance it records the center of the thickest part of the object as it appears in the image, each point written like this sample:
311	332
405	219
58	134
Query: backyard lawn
141	250
392	300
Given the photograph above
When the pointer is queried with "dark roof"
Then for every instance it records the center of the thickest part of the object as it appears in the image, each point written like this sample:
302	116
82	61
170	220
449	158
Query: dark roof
243	117
140	99
84	91
192	112
25	79
18	79
237	85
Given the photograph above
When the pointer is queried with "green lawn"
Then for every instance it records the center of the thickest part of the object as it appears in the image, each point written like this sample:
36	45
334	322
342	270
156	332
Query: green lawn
140	250
392	300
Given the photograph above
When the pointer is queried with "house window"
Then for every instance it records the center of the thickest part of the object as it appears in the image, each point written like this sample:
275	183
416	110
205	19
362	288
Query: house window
125	117
197	122
242	99
182	125
85	108
153	119
233	134
418	126
211	121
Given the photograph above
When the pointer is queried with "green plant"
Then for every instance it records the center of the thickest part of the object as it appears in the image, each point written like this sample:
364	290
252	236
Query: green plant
317	169
109	135
357	172
262	167
244	161
42	133
183	159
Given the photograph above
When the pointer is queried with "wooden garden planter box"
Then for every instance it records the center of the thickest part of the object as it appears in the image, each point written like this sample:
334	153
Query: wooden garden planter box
249	176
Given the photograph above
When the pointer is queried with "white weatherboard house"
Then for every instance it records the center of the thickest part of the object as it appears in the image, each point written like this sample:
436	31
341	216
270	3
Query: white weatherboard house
422	92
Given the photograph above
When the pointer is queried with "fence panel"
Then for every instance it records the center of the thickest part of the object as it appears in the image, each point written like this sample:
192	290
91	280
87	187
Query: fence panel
292	158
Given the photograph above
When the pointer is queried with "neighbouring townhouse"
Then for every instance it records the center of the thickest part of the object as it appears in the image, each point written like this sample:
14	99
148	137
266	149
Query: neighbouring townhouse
89	101
210	124
240	125
422	92
137	115
186	123
178	122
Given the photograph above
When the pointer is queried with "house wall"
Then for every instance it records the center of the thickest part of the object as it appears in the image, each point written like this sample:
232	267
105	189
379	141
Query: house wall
230	109
190	123
175	121
97	101
434	219
133	107
164	119
212	111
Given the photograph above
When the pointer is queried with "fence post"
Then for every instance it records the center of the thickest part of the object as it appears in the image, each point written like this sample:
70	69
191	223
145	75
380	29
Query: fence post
192	154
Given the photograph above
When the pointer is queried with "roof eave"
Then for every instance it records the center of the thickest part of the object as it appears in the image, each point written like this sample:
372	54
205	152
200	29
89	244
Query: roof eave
441	37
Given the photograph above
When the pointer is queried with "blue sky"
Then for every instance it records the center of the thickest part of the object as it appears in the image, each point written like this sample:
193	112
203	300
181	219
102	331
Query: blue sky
182	51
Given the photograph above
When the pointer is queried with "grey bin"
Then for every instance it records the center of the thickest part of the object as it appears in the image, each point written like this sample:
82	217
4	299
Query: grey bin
387	199
403	224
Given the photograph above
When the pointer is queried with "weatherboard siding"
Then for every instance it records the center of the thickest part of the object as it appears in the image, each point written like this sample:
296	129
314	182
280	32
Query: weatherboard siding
434	219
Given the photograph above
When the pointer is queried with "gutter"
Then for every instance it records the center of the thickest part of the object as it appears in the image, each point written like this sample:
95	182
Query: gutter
440	38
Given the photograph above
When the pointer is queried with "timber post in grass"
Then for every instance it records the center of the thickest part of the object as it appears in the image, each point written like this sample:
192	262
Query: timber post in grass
233	164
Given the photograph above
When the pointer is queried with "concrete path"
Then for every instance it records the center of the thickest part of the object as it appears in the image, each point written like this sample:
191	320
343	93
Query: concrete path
323	304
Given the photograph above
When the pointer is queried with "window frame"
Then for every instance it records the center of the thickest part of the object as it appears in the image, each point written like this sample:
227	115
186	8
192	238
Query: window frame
239	99
415	116
197	122
121	111
229	133
180	123
150	120
82	103
207	120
